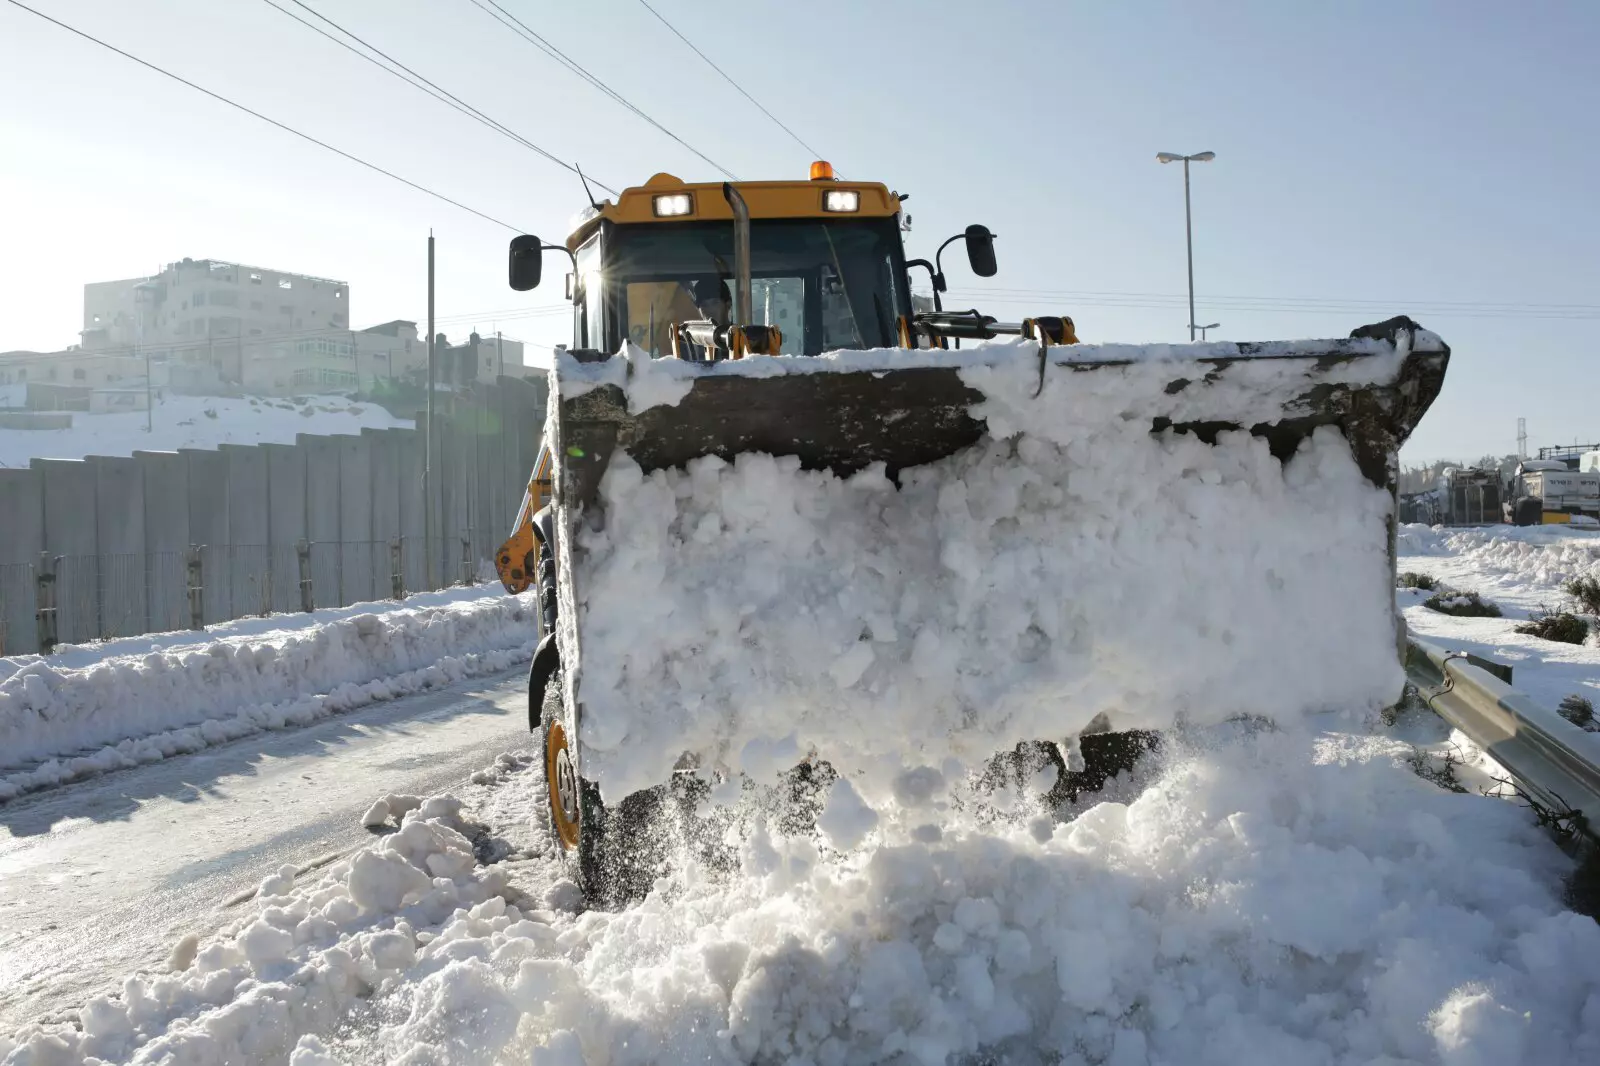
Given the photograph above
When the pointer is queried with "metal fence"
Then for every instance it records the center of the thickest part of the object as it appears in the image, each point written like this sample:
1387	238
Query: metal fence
70	599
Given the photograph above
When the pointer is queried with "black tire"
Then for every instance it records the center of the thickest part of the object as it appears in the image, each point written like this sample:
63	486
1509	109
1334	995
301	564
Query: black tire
613	854
1528	511
1105	755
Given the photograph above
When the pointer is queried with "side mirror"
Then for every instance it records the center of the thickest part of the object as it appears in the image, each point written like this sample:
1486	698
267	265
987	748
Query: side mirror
980	251
527	262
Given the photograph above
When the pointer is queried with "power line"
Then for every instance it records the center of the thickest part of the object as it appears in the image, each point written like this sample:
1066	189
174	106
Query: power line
1273	305
517	26
417	81
1298	301
729	79
270	121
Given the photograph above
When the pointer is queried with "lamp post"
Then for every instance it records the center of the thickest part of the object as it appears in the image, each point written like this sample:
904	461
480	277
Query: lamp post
1202	329
1188	229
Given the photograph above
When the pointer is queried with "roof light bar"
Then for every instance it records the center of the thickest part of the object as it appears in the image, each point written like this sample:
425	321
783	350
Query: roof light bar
842	200
673	205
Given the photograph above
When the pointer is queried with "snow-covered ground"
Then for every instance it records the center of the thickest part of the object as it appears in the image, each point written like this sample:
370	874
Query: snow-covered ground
100	878
1521	570
93	708
195	422
1254	897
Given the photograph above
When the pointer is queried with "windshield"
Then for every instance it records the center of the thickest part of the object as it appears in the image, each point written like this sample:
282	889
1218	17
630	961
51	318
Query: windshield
824	284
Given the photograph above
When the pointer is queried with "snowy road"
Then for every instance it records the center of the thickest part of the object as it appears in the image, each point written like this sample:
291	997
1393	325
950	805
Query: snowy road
101	878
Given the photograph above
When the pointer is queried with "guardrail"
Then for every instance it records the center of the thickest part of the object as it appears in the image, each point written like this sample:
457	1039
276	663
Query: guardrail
1553	761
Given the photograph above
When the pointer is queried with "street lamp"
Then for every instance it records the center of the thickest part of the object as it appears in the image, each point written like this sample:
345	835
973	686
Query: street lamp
1202	329
1188	232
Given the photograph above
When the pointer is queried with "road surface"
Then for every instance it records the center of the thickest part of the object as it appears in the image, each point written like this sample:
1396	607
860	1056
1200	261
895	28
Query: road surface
102	878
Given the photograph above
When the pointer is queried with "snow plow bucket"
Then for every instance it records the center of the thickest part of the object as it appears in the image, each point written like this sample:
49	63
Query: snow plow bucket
916	556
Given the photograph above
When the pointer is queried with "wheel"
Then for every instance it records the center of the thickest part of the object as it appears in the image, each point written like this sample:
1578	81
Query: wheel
1529	511
613	854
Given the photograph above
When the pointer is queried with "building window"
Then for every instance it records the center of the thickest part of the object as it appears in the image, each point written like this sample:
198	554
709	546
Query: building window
255	305
255	279
285	283
255	333
287	309
80	375
199	299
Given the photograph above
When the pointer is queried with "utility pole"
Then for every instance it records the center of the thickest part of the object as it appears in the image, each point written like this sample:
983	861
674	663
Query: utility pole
1188	229
427	437
1522	438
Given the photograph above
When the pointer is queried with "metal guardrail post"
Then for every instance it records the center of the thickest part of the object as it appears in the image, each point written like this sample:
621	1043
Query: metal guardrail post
1554	762
397	578
302	551
197	587
466	560
45	603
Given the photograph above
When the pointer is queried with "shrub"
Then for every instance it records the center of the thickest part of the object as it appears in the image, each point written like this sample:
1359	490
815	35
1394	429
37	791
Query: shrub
1461	604
1563	626
1586	590
1579	711
1413	580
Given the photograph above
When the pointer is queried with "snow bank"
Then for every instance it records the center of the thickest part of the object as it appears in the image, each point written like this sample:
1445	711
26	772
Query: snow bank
195	422
1281	898
1070	564
145	706
1545	557
301	960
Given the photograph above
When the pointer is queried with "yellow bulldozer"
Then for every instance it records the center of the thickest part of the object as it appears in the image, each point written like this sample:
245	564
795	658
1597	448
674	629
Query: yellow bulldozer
776	318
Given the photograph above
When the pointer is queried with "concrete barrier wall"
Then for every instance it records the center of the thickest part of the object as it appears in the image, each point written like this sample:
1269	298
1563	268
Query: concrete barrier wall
119	517
413	532
123	527
166	539
286	521
355	520
70	531
22	511
208	529
385	449
248	569
322	515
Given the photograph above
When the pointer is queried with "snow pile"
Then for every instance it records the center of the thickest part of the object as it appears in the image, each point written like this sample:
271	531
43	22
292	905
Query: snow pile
1070	564
196	422
142	707
1414	538
303	960
1543	556
1283	897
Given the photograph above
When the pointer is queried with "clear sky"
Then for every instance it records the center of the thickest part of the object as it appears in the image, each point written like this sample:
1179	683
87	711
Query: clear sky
1373	158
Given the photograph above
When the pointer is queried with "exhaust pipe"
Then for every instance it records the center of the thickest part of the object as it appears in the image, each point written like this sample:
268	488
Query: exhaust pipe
743	312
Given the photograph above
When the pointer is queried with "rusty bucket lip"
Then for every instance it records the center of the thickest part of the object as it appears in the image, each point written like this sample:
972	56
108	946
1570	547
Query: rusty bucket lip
834	420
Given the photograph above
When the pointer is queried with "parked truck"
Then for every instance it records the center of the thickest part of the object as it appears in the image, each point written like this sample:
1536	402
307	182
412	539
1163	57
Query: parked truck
1550	492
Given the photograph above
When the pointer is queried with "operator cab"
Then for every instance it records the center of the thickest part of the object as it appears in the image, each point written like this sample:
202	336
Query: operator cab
826	267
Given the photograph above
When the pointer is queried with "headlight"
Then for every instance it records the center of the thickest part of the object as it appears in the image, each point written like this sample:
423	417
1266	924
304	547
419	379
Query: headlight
673	204
841	200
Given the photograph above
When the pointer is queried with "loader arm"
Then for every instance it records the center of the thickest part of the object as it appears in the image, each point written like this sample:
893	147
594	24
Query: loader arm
516	561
